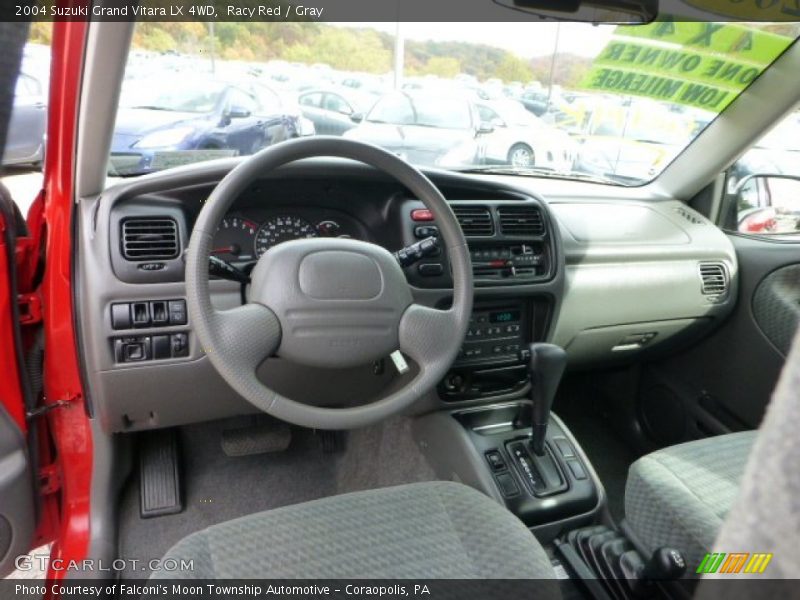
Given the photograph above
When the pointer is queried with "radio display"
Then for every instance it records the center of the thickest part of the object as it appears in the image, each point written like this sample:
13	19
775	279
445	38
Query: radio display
504	316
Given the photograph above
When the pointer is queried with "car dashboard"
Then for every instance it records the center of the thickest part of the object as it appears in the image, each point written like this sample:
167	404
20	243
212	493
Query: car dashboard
613	280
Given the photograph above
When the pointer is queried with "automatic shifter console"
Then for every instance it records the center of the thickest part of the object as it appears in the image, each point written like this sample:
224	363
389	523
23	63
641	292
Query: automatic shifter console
535	463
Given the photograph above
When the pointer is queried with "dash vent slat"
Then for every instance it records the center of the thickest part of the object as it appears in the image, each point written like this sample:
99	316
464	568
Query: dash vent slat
520	221
475	221
715	281
150	238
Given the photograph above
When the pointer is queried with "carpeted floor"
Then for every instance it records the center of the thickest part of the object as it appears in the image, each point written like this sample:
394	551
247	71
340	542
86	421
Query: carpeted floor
218	488
609	455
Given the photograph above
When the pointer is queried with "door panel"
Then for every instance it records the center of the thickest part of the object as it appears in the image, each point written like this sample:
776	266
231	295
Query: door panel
776	306
17	506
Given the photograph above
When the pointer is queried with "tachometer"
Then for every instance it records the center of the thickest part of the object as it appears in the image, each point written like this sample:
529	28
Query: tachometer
234	239
282	229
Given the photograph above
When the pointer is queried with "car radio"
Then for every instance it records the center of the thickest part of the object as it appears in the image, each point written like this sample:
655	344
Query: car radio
494	335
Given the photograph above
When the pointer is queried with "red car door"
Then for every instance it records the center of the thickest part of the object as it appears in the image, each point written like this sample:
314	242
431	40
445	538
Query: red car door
46	450
17	508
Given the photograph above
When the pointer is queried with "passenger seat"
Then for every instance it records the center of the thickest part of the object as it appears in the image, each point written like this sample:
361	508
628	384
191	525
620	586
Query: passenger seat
679	496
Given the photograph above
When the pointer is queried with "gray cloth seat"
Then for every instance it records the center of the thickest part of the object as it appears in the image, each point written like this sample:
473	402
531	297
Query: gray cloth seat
420	530
679	496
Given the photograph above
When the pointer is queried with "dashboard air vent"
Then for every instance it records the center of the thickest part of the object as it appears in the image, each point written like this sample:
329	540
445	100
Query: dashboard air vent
150	238
520	220
715	280
474	220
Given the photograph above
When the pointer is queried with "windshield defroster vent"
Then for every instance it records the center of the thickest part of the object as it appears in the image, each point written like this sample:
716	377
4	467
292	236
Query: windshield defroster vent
715	281
150	238
474	220
520	220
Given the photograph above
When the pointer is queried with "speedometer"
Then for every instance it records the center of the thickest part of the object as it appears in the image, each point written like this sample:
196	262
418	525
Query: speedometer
234	239
282	229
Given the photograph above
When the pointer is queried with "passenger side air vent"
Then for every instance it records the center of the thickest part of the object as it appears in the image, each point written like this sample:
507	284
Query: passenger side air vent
150	238
520	220
715	281
475	221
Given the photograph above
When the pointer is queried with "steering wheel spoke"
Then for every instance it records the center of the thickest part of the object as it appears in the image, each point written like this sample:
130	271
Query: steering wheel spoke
245	336
426	335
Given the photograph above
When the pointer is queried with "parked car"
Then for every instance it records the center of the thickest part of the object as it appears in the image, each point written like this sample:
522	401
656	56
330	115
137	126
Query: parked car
334	111
26	130
631	142
521	139
778	152
425	128
162	123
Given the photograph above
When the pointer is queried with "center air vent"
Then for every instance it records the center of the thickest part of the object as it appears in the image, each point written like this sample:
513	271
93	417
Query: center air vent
715	281
150	238
474	220
520	220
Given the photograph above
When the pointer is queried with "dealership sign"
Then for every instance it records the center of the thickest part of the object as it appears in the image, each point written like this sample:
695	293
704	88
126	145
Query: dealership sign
703	65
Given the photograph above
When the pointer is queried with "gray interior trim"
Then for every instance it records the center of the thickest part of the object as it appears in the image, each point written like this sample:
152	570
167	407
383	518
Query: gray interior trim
106	53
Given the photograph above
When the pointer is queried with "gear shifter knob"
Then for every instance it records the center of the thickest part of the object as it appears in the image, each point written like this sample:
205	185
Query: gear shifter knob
546	366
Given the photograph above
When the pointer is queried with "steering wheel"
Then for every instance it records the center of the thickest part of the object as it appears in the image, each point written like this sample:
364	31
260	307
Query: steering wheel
327	302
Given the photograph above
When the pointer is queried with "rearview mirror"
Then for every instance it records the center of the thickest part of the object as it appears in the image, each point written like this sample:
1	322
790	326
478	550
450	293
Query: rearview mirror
237	112
768	204
485	128
588	11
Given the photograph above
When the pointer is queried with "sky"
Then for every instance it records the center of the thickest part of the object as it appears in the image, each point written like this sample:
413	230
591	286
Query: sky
527	40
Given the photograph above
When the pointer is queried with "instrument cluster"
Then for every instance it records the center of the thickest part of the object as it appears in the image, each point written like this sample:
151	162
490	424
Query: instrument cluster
246	236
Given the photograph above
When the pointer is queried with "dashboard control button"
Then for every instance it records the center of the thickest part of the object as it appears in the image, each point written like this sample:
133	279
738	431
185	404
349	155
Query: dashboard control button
495	460
140	314
507	484
158	312
421	214
180	345
161	347
132	349
424	231
430	269
564	447
577	468
121	316
177	312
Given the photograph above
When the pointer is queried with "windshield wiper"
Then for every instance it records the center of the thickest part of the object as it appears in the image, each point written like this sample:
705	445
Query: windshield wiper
152	107
538	172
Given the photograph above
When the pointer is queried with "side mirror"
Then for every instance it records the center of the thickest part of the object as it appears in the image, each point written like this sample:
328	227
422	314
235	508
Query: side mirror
357	117
768	204
237	112
485	128
497	122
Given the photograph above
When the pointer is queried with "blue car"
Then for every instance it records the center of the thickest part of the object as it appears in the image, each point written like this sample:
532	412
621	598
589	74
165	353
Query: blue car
167	123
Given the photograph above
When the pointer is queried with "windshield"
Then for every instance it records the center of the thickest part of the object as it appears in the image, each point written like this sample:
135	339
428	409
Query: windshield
177	96
611	103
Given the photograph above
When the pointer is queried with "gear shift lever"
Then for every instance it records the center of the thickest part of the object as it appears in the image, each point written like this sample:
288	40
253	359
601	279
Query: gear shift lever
545	367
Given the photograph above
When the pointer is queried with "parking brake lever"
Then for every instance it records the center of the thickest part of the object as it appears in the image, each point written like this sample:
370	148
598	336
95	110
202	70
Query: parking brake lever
415	252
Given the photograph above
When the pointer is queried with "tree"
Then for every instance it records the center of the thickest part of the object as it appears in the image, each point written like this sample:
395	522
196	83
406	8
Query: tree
513	68
443	66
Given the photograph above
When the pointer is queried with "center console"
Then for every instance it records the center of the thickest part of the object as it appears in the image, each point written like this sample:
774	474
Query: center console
490	361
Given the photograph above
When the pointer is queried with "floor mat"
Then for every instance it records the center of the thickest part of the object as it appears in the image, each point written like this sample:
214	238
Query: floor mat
609	455
218	488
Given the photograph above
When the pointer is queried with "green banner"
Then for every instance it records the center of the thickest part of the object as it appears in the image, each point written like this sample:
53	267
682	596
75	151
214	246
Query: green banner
703	65
737	42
